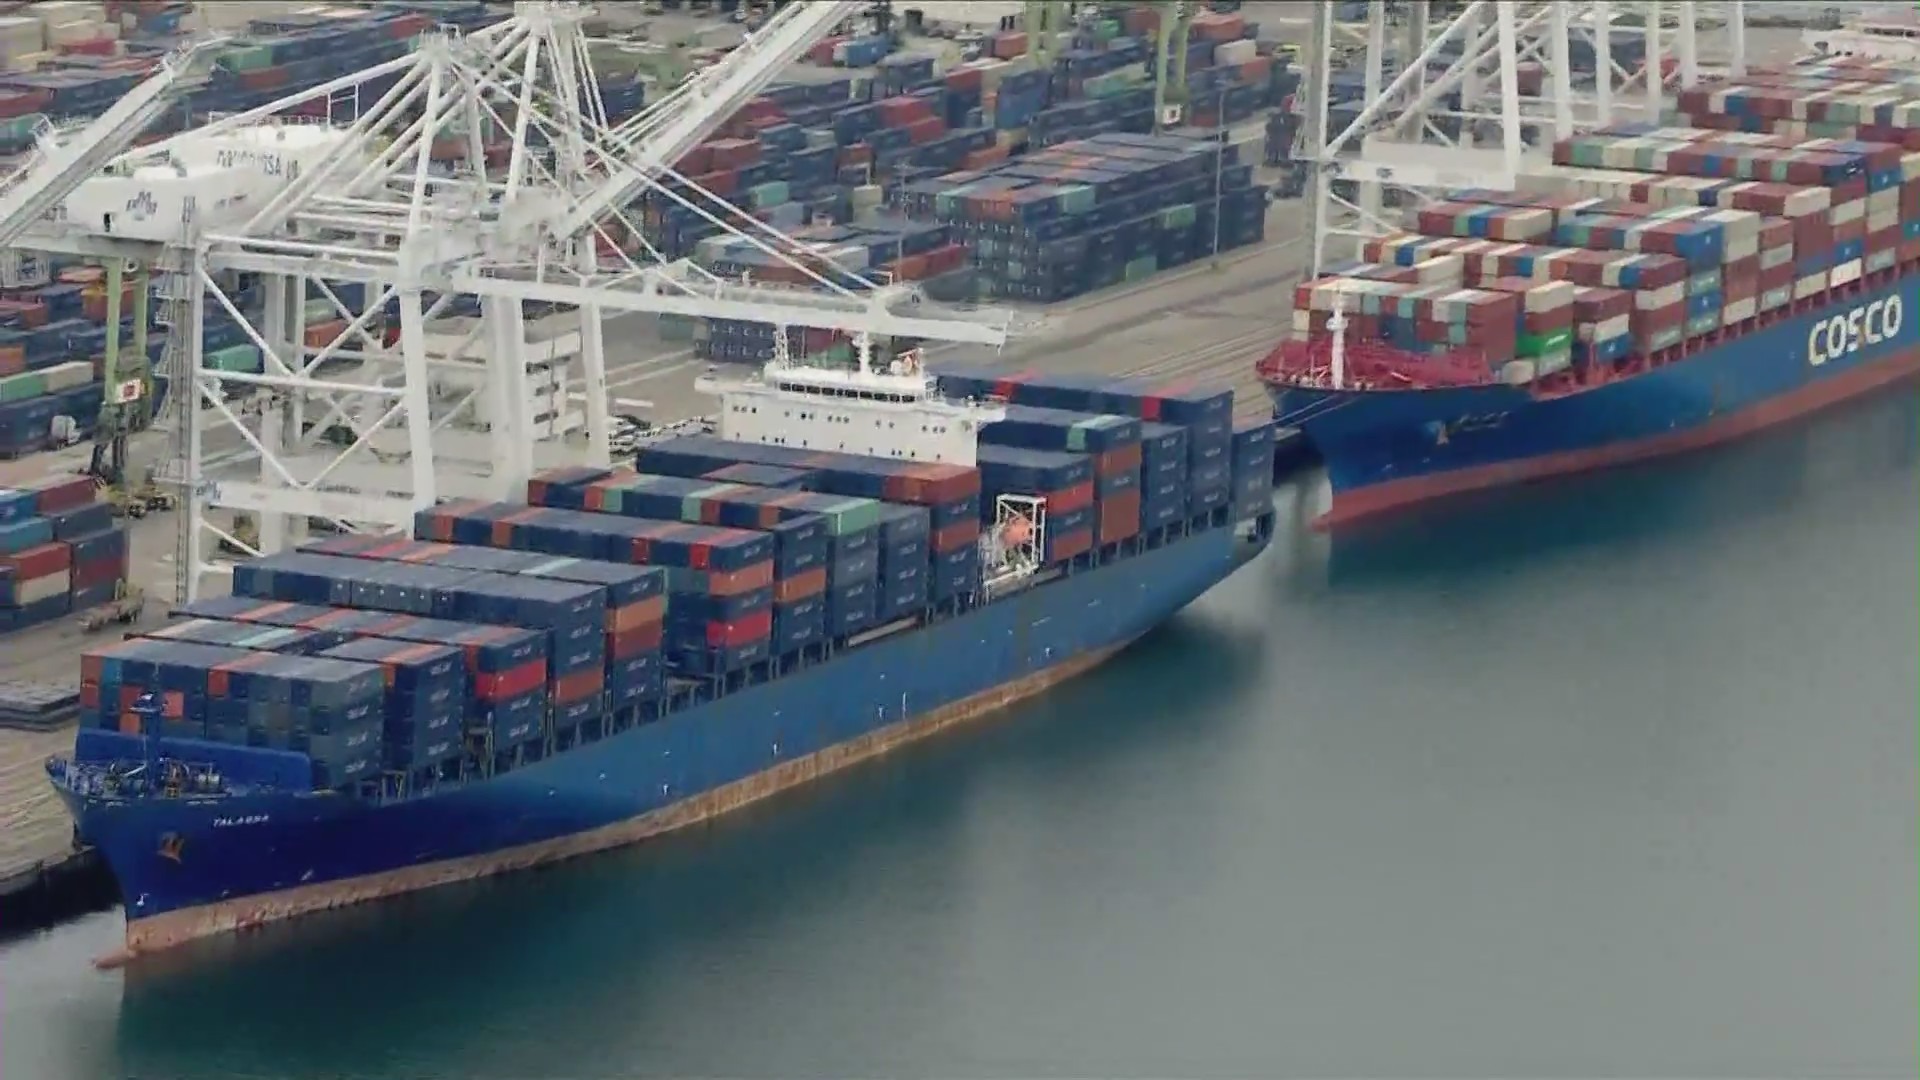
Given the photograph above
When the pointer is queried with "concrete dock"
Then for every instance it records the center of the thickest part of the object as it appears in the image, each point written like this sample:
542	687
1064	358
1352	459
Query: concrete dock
1208	322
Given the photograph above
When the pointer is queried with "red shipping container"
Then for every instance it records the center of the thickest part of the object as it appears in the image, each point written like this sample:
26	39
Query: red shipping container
1776	277
1909	250
1067	500
637	614
31	314
504	685
102	46
854	154
53	494
580	684
1884	240
903	110
1597	304
1008	45
955	536
983	157
272	78
720	182
99	571
632	642
1123	459
1741	286
925	129
1065	546
695	161
965	79
800	586
740	631
39	561
321	335
1852	230
734	153
1650	321
1119	518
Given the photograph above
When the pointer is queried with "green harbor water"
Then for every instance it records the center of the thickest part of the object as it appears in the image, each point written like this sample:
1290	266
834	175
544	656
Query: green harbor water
1610	778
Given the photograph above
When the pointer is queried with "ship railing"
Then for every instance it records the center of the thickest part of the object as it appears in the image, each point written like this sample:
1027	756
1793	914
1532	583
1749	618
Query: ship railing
1372	365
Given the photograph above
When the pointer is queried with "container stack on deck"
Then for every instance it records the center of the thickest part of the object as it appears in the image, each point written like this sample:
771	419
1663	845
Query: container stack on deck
504	632
1641	239
60	552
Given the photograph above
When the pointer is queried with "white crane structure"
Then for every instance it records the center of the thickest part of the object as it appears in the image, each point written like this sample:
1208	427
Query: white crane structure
1412	134
351	422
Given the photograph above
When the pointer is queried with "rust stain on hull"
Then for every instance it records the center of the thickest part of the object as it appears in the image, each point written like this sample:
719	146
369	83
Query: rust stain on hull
159	932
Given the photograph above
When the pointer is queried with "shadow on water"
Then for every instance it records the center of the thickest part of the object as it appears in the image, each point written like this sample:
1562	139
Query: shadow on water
1812	468
610	933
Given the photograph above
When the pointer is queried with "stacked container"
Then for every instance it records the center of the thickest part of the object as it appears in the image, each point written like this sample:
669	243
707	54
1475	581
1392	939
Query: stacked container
1088	214
328	712
60	552
1185	431
949	493
719	618
504	703
1111	442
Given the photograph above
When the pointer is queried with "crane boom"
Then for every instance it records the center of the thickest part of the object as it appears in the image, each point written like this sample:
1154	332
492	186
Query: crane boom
661	135
58	167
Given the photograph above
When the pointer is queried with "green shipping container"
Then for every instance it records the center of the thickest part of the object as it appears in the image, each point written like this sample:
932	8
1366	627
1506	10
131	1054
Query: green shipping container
1178	217
1078	199
244	358
1077	434
319	311
1142	268
771	193
27	384
247	58
1538	345
850	515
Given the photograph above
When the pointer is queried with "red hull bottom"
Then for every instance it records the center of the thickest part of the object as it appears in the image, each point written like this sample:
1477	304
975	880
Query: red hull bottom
1377	499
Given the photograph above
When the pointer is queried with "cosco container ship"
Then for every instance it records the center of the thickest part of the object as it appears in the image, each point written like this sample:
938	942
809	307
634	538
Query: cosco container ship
1654	291
634	650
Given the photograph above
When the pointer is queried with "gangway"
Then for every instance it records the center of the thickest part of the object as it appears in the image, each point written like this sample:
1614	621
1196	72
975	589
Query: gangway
62	162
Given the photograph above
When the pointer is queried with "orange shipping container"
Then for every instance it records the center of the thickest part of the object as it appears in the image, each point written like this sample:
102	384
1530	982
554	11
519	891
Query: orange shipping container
321	335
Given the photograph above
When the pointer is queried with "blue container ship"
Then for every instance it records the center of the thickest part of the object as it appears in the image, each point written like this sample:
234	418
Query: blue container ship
1655	290
1387	448
634	650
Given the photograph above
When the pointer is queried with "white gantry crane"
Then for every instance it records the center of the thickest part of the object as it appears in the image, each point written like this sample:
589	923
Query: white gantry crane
365	412
1449	111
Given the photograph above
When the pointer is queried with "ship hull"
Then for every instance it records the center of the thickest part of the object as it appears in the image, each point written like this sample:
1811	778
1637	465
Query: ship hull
1388	449
192	868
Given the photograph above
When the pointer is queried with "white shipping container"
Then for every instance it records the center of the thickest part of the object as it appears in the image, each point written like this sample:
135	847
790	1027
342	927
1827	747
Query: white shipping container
1441	270
1234	53
34	590
1739	311
1846	273
1302	323
1664	297
1741	248
1851	210
1882	221
1605	329
1777	256
1810	286
1910	165
1882	200
1517	372
74	33
67	376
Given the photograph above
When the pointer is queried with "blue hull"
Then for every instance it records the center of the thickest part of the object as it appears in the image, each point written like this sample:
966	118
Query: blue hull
1385	448
235	861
